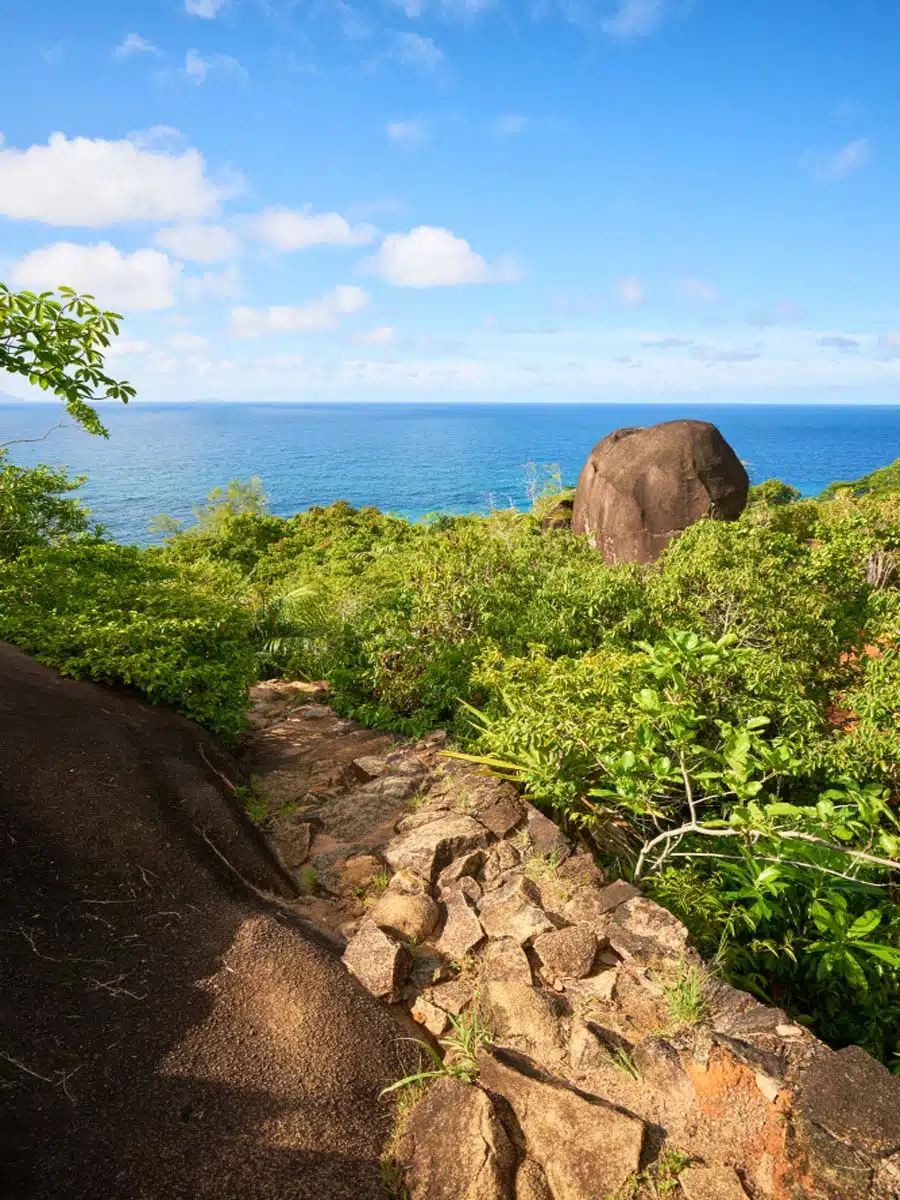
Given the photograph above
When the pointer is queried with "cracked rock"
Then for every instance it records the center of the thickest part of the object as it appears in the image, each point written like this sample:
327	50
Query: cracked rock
379	963
567	953
513	911
462	930
434	846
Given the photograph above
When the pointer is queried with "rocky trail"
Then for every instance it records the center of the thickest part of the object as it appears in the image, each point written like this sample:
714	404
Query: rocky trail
617	1067
177	1022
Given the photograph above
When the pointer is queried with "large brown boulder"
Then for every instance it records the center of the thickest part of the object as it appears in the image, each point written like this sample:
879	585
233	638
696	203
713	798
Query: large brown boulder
641	488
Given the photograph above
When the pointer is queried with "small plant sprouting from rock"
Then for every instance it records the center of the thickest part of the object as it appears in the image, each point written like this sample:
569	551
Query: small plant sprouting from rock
307	879
659	1179
376	888
392	1169
470	1032
687	995
463	967
622	1061
542	866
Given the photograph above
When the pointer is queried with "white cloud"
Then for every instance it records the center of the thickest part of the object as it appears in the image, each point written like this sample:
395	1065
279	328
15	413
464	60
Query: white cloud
198	69
288	229
198	243
383	335
846	160
455	10
698	289
631	290
203	8
431	257
189	343
417	51
408	133
91	182
212	284
635	18
126	348
145	279
319	316
132	44
508	125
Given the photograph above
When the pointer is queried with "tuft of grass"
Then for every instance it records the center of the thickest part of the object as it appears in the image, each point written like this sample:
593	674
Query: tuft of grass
463	967
623	1061
541	866
253	802
392	1169
470	1032
376	887
307	879
687	996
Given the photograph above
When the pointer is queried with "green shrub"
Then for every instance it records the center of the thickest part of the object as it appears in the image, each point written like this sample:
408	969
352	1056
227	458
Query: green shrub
35	507
118	614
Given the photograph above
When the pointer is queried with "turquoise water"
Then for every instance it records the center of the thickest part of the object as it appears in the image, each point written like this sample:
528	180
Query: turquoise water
409	458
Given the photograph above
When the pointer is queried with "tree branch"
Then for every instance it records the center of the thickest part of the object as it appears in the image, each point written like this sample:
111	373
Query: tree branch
43	437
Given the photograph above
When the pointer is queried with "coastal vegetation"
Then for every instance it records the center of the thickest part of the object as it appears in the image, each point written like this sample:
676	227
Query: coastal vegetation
722	726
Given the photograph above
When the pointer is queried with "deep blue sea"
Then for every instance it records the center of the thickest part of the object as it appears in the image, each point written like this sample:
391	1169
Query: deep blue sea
409	458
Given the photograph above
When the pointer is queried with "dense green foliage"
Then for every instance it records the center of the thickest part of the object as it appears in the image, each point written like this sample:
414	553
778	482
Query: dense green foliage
723	726
117	614
35	508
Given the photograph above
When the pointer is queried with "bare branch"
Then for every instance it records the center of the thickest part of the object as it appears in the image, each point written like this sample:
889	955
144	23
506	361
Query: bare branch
42	438
793	835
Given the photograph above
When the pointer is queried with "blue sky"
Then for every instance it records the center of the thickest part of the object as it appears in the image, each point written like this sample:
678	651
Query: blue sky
474	199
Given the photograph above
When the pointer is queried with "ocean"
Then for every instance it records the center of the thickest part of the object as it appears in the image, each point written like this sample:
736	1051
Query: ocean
409	459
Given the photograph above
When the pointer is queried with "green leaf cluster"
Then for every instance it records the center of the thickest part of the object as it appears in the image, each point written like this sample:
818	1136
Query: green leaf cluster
58	342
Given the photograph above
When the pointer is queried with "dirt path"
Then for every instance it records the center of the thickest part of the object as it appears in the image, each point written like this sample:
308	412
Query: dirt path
164	1033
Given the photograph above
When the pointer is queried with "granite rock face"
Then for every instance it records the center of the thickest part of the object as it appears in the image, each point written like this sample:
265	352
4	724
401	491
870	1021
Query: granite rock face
640	488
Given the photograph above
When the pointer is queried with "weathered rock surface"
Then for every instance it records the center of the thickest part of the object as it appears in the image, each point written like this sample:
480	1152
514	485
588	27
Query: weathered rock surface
640	488
547	839
412	917
294	837
503	815
434	1019
853	1098
453	996
434	846
378	962
567	953
461	931
471	1158
505	961
514	911
523	1018
585	1146
531	1182
640	929
711	1183
590	905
